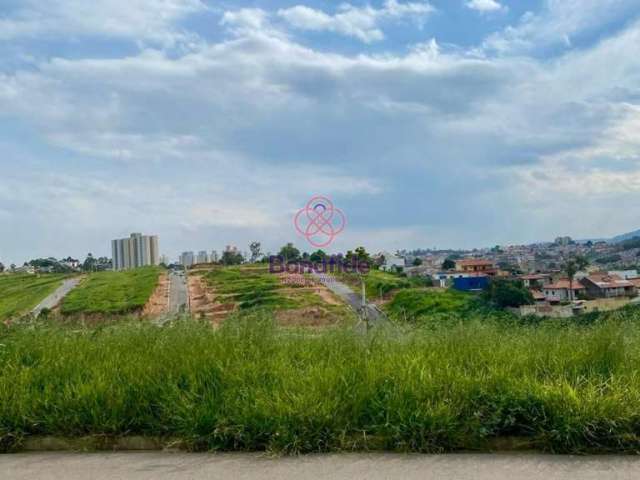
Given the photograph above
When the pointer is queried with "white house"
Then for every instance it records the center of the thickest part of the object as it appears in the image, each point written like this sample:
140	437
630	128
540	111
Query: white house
391	261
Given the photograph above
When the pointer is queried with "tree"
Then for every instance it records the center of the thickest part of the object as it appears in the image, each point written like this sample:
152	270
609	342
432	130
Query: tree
89	265
448	264
289	252
318	256
231	257
417	262
508	293
255	251
572	266
1	267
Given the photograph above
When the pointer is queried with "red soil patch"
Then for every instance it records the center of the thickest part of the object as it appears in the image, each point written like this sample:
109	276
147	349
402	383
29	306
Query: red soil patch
158	303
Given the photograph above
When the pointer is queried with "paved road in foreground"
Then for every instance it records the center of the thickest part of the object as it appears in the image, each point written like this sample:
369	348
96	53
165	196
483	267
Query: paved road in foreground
178	293
178	466
56	297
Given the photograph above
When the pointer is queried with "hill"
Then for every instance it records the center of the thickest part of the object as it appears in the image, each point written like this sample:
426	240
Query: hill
625	236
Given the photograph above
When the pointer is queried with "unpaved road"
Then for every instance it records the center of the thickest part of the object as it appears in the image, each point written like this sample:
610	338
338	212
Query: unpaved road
178	466
56	297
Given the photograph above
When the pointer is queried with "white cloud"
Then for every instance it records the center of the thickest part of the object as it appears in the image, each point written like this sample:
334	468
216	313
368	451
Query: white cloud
220	144
149	20
484	5
359	22
557	23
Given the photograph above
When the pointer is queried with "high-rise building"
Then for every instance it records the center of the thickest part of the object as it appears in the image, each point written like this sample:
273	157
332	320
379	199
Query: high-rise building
214	256
203	257
136	251
186	259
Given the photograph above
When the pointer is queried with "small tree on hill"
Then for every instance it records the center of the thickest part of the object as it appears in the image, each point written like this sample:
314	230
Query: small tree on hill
289	252
255	251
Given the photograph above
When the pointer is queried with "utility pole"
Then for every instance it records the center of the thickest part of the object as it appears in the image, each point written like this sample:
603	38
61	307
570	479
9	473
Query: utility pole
363	306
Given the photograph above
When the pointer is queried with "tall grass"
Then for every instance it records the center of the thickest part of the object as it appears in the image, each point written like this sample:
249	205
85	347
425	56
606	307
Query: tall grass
250	386
112	292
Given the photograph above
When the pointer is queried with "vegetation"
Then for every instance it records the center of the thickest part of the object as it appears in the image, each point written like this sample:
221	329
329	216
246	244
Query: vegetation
449	264
252	286
112	292
249	386
503	292
249	287
379	284
21	293
414	305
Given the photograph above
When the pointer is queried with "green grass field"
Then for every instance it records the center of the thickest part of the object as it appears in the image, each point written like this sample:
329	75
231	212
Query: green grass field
112	292
379	284
20	293
249	287
252	286
415	304
557	387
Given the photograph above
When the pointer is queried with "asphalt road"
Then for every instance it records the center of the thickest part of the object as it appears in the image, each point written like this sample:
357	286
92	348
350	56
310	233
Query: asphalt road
354	300
178	293
54	299
178	466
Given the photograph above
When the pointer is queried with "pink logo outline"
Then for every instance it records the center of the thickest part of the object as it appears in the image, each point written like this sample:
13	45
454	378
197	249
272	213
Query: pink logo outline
320	215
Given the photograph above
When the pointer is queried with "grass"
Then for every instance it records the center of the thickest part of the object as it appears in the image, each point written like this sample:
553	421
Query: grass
21	293
250	386
254	287
112	292
250	287
379	284
416	304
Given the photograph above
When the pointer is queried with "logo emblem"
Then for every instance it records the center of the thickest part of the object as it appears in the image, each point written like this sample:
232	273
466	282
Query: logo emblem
320	222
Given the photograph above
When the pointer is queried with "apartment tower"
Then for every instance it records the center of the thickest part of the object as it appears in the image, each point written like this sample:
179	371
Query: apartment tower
136	251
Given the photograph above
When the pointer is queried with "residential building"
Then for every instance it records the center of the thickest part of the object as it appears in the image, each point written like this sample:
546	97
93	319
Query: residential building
391	261
559	291
214	256
536	280
475	283
476	265
626	274
136	251
604	285
186	259
202	257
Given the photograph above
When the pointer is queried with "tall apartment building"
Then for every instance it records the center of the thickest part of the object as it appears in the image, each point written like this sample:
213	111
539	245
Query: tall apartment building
203	257
186	259
136	251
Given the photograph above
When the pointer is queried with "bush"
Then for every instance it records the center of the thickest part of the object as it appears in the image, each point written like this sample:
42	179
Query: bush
508	293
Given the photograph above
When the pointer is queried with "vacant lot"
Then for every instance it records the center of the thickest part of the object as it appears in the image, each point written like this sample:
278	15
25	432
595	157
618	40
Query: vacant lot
112	292
20	293
380	286
251	386
296	299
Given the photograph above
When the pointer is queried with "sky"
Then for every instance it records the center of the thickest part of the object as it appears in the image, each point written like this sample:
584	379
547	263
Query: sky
440	123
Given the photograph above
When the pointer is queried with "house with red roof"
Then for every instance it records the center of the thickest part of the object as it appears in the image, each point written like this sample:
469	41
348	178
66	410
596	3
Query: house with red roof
563	290
605	285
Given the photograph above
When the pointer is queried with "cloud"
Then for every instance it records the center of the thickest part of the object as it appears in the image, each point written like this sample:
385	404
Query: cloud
558	22
484	5
223	142
146	20
362	23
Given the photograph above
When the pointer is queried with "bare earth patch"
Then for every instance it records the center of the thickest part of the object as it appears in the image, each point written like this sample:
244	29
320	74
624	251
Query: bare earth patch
204	303
158	303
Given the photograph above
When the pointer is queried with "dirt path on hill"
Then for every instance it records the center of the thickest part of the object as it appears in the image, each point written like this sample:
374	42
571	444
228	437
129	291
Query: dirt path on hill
158	303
